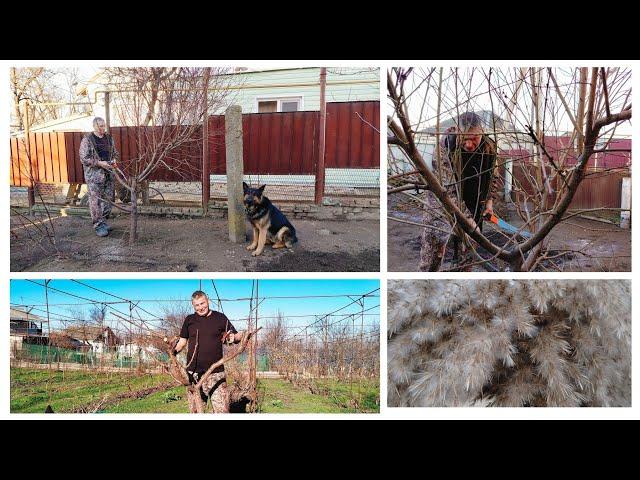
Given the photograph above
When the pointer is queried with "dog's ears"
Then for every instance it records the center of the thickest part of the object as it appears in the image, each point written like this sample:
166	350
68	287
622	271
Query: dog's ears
246	187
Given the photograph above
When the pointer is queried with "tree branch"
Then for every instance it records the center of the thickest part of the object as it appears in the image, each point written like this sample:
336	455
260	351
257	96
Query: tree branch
241	348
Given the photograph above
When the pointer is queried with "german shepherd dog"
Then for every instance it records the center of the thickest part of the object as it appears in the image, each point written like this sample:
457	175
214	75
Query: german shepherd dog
269	224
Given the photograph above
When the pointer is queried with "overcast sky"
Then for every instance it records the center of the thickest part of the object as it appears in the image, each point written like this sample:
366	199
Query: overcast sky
482	89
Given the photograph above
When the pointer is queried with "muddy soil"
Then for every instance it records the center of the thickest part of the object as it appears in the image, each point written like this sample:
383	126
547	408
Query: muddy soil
596	246
188	245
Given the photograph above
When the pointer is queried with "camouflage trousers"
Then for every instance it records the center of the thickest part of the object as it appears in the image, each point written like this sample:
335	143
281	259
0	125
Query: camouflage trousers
214	388
434	238
437	234
100	186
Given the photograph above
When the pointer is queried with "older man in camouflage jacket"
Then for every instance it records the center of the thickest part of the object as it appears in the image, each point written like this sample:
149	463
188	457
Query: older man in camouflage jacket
468	171
98	155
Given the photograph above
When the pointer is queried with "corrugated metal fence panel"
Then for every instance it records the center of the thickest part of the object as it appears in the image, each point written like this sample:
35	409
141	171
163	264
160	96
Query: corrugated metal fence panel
601	189
561	150
310	139
618	158
66	165
273	143
217	154
352	135
183	163
280	143
48	159
74	165
19	173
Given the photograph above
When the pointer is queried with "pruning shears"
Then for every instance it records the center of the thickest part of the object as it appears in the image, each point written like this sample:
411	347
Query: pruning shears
507	227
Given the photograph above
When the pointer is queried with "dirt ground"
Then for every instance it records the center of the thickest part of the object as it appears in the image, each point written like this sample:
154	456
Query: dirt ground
606	247
193	244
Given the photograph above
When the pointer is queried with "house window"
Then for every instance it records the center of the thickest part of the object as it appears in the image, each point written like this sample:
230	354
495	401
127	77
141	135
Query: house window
289	106
285	104
267	107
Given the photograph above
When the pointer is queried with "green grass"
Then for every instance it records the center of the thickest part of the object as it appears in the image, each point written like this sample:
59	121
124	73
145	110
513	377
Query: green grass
32	390
280	396
168	401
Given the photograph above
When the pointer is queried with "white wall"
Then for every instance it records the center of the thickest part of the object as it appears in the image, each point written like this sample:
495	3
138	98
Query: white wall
343	85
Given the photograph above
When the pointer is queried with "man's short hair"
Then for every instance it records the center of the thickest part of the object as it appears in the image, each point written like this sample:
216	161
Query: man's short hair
468	120
98	119
198	294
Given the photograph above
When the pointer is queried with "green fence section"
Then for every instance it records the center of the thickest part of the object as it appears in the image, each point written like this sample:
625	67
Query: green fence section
46	354
262	362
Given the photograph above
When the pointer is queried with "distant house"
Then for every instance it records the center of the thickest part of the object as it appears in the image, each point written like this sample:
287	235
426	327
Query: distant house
490	123
100	339
63	340
142	347
23	323
25	328
74	123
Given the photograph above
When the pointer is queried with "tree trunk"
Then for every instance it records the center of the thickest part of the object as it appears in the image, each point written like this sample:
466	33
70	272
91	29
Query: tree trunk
133	230
145	192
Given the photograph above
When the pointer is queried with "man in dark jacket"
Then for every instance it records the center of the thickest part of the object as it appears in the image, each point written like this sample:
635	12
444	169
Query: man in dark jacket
468	171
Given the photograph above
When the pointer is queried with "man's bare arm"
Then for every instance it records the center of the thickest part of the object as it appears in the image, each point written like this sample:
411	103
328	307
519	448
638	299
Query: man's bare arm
236	337
180	345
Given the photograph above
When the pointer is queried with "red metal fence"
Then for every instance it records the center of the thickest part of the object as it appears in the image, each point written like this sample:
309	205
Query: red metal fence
273	143
616	155
52	160
601	187
286	143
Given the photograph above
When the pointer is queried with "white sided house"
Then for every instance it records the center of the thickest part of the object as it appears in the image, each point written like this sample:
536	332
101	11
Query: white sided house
298	89
136	349
23	325
101	339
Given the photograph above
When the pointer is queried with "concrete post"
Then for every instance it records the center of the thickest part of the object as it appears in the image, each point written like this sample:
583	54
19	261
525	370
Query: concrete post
319	187
206	180
235	171
625	202
27	135
107	111
206	166
508	180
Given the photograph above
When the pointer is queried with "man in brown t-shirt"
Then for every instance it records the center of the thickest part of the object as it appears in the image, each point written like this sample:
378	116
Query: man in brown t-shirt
205	331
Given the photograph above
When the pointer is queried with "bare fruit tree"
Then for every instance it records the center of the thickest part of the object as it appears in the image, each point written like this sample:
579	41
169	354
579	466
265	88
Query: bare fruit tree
179	372
36	85
173	316
525	108
51	93
166	108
